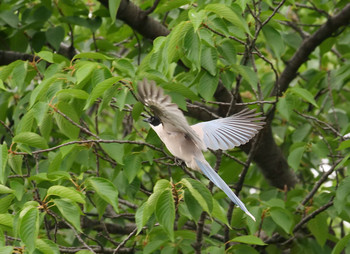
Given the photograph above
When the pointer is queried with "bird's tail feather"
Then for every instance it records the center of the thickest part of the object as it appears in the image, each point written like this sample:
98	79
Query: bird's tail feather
217	180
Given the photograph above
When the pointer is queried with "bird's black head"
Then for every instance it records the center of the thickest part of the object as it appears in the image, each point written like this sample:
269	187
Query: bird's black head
155	121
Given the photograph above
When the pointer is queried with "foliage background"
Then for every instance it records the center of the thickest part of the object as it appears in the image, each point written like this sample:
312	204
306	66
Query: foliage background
80	171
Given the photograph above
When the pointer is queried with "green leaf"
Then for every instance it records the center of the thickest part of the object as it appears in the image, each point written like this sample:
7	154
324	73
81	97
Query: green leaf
227	13
6	250
181	89
106	190
31	139
282	218
165	212
247	73
343	145
5	189
46	246
29	228
207	85
139	218
92	55
73	93
228	51
113	6
174	41
10	18
196	18
209	58
70	211
65	126
125	67
116	151
100	89
274	39
342	194
248	239
65	192
192	48
55	35
6	220
295	156
2	85
132	165
338	248
319	228
305	94
200	193
150	205
84	71
41	89
284	108
3	162
219	212
137	110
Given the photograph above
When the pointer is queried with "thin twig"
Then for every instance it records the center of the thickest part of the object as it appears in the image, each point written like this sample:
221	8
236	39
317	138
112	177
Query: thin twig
125	240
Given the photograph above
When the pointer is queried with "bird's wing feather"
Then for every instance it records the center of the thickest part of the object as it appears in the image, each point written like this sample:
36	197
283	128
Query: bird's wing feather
229	132
171	116
209	172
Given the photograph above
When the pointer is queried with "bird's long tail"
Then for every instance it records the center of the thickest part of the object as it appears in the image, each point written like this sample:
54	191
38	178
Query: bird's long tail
217	180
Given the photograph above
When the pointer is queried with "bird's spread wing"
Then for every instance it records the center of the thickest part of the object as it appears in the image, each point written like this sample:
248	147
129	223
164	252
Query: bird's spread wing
229	132
170	115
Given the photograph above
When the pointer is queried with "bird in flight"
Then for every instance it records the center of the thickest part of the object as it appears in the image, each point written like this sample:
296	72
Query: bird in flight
187	142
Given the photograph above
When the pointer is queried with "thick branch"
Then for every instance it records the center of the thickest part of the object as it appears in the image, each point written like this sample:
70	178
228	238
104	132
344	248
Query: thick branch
138	20
309	45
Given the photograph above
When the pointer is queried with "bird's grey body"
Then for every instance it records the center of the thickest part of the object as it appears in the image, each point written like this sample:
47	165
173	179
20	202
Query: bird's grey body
187	142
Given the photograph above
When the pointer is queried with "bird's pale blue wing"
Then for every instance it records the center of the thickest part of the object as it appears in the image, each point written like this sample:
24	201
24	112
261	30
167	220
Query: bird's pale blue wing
229	132
209	172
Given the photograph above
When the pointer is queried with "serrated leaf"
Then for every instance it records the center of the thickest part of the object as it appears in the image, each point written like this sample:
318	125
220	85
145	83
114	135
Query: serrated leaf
338	248
6	220
295	156
41	89
200	193
165	212
55	35
132	165
274	39
70	211
46	246
196	17
100	89
65	192
3	162
305	94
192	48
73	93
92	55
319	228
84	71
31	139
248	239
65	126
139	218
5	189
181	89
174	41
29	228
282	218
150	205
227	13
113	6
106	190
228	51
207	85
247	73
209	58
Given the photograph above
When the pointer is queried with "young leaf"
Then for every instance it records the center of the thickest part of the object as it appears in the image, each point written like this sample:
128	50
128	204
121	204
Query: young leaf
165	212
30	139
29	228
106	190
65	192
